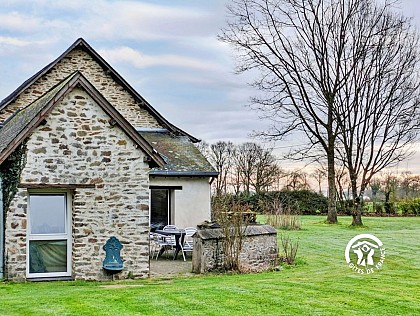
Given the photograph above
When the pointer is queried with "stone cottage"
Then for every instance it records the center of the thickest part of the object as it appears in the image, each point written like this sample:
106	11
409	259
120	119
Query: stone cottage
94	160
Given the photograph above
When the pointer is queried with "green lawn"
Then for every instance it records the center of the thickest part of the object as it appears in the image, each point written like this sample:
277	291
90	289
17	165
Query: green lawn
321	284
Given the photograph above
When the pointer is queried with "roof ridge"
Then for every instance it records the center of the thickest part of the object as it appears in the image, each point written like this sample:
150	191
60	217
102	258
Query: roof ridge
12	134
116	76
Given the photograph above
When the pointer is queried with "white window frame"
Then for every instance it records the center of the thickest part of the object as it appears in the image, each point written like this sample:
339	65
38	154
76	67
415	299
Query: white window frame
67	235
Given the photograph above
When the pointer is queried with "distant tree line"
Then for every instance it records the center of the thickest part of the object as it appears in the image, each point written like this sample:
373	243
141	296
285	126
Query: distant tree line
396	193
250	174
250	168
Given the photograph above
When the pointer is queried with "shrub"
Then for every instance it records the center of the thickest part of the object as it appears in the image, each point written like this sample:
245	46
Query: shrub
410	207
282	218
288	251
303	202
389	208
229	214
379	209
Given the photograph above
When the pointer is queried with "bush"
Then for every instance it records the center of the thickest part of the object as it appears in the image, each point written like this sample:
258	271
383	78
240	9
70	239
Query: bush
281	218
389	208
233	218
288	250
410	207
303	202
379	209
345	207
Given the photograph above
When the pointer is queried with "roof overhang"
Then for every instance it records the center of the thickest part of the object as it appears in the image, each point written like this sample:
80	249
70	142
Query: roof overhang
169	173
55	95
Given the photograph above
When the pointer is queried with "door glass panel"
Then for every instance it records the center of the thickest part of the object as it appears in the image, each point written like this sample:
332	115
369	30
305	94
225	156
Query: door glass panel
159	213
48	214
49	239
47	256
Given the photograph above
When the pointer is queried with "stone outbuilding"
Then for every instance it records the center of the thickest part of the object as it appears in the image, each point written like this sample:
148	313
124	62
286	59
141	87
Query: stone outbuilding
258	252
83	158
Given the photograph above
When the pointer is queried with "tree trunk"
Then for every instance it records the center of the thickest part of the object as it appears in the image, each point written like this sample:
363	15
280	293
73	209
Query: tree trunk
332	208
357	213
357	203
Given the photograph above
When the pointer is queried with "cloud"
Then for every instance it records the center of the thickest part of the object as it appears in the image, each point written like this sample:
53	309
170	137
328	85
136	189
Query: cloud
143	21
168	46
105	19
18	22
140	60
14	41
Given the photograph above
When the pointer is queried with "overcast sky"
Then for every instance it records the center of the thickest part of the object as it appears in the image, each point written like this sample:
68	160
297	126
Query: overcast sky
166	49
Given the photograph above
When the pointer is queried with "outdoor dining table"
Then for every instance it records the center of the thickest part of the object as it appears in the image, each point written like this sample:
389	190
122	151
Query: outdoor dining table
179	239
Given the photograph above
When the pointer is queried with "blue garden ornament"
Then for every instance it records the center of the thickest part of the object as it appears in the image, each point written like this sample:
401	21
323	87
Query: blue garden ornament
113	261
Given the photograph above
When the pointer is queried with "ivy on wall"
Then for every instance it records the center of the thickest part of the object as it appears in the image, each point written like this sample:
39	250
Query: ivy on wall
10	171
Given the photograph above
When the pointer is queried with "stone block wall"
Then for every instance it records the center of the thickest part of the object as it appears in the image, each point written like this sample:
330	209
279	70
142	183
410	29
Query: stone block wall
77	145
259	250
80	60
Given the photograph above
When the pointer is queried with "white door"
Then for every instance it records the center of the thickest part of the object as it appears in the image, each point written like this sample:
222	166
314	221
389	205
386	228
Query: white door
49	235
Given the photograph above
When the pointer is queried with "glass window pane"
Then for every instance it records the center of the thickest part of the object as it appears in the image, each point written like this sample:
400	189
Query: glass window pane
48	214
47	256
159	211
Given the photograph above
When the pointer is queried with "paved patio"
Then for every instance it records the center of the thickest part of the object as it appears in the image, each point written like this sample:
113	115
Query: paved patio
167	267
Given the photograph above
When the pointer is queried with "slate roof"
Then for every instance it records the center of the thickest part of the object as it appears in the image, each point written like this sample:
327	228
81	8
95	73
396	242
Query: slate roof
21	119
21	124
182	157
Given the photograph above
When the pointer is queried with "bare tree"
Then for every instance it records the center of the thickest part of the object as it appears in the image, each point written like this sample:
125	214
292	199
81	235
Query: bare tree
389	184
406	182
394	186
243	167
310	58
319	175
221	156
204	148
377	107
235	179
409	185
296	48
343	187
297	180
246	161
266	172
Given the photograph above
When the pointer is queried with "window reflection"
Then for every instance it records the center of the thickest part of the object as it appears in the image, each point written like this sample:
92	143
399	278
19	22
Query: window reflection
47	256
48	214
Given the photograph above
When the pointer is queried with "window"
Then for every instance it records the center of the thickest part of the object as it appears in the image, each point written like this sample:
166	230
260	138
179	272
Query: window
160	214
49	235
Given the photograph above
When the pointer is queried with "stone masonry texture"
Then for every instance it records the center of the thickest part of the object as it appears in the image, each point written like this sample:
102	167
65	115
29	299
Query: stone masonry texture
259	250
80	60
77	145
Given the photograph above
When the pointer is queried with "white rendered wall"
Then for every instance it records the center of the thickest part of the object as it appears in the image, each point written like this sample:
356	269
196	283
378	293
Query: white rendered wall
191	205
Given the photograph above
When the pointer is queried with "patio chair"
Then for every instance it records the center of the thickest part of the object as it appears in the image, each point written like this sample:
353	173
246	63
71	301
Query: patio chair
156	243
152	243
188	241
162	242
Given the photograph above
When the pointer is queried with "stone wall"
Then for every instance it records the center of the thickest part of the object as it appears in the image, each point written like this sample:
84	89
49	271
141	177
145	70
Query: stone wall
259	250
77	145
100	79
